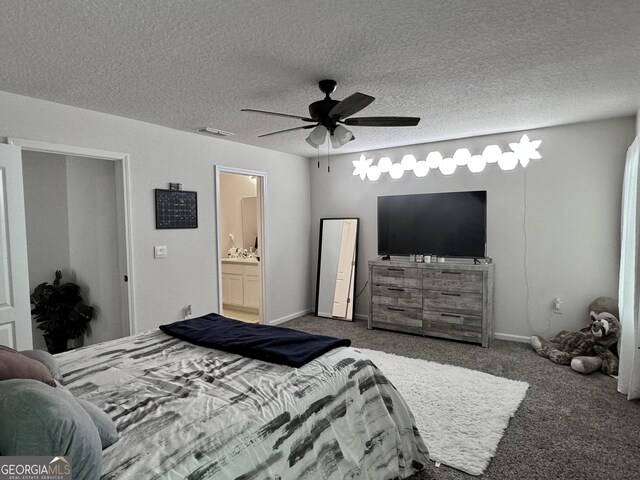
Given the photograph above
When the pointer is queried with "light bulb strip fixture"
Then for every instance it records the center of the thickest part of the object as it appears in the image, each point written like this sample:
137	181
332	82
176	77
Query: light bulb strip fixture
522	153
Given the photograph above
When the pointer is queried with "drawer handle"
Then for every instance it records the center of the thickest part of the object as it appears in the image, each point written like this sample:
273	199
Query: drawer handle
451	294
452	316
396	289
451	273
395	269
396	309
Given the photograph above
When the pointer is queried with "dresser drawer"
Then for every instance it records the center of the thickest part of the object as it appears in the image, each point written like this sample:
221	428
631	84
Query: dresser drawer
396	296
452	301
398	316
402	277
460	281
443	318
456	332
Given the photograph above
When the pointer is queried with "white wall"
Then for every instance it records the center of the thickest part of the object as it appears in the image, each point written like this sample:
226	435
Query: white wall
93	242
572	198
233	188
161	155
47	221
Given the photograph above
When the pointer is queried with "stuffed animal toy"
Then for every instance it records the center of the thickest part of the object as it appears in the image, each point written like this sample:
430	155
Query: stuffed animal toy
603	304
589	349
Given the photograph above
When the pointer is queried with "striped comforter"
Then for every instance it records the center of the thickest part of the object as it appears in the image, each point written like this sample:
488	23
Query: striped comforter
188	412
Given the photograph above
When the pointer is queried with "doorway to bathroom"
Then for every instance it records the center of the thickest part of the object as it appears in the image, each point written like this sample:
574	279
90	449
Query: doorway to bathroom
240	243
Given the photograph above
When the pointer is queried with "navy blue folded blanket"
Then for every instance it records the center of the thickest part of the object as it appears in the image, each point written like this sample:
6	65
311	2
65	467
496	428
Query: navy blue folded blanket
264	342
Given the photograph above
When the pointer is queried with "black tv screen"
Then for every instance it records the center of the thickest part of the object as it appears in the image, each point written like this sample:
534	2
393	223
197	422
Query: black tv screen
452	224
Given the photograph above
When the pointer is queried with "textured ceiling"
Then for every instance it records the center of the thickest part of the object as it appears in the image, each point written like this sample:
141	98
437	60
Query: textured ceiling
466	67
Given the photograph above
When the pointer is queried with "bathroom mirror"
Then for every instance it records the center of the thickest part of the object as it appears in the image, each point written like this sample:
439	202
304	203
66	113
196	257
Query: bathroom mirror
337	255
249	208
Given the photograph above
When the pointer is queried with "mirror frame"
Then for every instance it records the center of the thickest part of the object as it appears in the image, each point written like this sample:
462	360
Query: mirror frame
355	266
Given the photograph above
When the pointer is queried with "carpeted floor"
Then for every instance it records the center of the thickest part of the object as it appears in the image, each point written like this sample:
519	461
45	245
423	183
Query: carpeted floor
569	426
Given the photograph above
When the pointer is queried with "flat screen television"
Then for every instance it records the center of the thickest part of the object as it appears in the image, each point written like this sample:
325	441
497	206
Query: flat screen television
452	224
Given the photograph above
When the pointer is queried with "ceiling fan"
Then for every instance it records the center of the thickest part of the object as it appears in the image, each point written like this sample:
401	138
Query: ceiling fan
329	116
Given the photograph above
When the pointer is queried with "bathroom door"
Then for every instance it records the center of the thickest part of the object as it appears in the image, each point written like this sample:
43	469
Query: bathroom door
15	315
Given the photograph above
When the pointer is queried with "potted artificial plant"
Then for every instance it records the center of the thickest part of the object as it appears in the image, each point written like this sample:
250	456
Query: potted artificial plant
60	312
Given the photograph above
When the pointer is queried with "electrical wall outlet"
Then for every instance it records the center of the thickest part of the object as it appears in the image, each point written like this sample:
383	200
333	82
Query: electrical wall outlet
187	311
557	305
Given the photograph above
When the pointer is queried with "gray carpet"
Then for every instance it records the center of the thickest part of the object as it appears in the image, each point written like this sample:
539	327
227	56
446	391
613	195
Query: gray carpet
569	426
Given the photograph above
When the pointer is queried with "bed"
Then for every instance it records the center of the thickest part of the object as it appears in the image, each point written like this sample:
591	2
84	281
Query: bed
190	412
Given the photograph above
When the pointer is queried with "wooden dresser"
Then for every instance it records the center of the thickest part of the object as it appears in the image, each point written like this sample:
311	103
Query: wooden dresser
448	300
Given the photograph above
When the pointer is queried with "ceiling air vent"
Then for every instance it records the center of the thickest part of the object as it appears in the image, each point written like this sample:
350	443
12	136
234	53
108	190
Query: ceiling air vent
214	132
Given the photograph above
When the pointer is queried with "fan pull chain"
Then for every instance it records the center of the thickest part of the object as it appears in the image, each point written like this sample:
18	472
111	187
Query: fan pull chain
318	155
328	158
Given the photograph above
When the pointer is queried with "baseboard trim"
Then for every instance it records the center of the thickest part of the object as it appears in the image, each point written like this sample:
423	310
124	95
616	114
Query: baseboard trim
360	316
290	317
511	338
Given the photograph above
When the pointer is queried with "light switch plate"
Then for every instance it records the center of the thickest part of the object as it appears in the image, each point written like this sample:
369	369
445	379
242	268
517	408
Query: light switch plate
160	251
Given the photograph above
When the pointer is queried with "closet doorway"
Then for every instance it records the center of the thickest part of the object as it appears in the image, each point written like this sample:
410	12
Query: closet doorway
77	221
240	243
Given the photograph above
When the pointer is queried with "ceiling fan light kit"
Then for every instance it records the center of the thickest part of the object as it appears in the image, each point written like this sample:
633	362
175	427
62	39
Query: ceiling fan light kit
340	136
317	136
330	116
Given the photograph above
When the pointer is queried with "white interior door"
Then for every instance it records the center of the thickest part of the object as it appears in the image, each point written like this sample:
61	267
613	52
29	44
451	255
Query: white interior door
15	306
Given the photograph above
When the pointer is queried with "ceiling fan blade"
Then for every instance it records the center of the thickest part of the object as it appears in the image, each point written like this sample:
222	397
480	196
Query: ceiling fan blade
304	119
350	105
382	121
287	130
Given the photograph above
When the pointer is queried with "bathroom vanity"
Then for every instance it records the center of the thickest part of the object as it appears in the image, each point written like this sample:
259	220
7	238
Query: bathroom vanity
241	282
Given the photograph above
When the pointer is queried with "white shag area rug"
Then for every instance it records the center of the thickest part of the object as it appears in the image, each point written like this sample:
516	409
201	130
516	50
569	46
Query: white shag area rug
461	413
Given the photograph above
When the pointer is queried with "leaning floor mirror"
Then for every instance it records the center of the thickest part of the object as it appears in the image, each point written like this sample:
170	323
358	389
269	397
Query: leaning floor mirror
337	255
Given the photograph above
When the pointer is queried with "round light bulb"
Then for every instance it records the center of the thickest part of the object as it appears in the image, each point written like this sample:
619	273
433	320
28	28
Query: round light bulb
408	162
396	171
491	153
384	164
448	166
421	169
476	164
508	161
373	173
462	156
434	159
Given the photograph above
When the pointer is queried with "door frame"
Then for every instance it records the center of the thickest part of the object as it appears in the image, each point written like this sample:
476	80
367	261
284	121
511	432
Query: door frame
261	189
123	158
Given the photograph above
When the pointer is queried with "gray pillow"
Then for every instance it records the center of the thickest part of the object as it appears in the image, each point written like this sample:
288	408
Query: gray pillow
47	360
36	419
104	424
